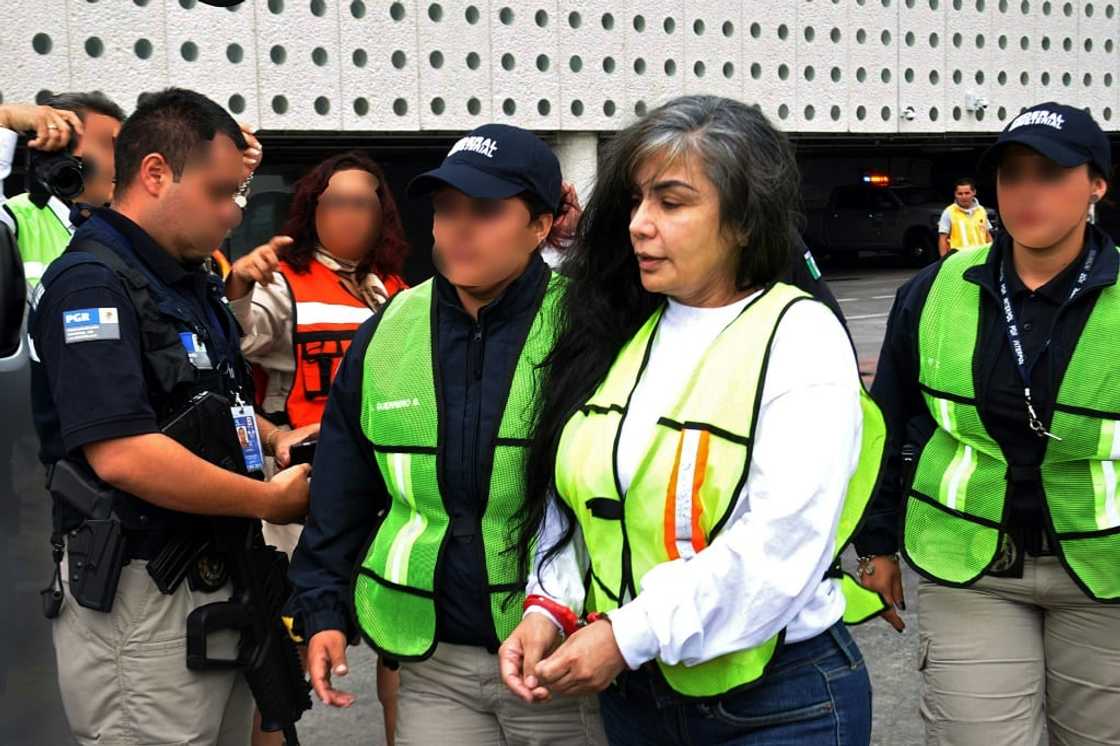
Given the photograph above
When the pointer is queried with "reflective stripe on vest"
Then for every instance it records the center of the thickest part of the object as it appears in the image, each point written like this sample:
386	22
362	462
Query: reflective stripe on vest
394	588
955	514
684	536
325	316
690	479
41	233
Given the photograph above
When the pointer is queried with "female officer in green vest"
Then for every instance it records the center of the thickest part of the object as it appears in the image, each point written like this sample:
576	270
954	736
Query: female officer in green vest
428	419
712	451
1003	364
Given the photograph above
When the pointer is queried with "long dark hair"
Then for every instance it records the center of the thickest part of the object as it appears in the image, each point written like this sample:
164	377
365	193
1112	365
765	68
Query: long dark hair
755	173
385	257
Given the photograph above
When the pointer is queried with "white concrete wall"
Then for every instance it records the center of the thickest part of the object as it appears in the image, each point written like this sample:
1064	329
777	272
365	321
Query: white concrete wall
857	66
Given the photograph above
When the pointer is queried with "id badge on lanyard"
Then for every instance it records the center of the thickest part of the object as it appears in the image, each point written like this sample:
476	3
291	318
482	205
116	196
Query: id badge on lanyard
248	436
1011	325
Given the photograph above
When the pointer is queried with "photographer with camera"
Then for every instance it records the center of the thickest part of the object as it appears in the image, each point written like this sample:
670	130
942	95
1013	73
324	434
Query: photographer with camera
70	161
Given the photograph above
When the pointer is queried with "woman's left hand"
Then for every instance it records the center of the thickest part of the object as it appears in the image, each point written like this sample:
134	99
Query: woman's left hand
586	663
282	443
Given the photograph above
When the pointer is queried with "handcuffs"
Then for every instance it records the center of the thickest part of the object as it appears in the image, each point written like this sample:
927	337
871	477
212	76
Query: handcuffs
866	567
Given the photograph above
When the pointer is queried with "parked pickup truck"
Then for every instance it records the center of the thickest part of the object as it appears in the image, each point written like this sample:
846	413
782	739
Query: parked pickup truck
861	217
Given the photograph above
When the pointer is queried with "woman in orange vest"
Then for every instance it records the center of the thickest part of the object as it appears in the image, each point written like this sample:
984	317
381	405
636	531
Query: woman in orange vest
301	296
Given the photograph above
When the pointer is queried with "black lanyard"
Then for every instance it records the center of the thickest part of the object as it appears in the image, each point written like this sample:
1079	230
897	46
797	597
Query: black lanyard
1026	367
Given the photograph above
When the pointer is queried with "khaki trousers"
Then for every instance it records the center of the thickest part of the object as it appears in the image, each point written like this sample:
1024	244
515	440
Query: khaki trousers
457	697
124	676
998	657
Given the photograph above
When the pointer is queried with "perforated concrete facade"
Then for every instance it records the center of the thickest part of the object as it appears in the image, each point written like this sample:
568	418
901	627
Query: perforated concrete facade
855	66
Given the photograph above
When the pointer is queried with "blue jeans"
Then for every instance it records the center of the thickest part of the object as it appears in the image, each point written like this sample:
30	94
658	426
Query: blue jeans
816	692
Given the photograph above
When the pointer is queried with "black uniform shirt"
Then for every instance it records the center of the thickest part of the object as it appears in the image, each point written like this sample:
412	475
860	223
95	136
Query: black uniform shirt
90	382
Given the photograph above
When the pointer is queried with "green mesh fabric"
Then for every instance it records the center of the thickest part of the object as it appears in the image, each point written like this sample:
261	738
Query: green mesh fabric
862	484
963	469
507	477
384	612
400	417
860	604
1079	472
1094	354
949	324
947	547
721	675
960	467
398	387
1094	561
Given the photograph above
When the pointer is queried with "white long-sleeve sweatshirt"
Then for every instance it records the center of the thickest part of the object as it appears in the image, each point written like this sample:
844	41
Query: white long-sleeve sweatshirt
764	571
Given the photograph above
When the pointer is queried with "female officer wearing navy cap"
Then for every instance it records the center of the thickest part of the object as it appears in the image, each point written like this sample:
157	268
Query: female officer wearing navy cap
999	368
427	420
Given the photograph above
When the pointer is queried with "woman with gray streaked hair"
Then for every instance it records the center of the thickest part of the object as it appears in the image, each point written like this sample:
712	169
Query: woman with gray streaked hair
703	451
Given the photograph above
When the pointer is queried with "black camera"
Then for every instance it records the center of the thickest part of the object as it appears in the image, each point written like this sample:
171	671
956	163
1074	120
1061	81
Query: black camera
62	175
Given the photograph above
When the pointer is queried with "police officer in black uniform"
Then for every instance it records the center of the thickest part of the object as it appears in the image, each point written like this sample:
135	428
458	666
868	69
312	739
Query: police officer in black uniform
139	391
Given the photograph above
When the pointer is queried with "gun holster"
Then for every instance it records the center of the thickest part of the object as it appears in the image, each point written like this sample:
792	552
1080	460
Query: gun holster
96	555
95	549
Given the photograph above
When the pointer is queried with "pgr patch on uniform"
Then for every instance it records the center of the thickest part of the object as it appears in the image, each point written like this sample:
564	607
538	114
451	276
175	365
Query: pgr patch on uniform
89	324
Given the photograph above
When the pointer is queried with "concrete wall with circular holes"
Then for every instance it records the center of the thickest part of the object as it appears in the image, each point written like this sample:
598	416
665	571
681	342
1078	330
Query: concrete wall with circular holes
856	66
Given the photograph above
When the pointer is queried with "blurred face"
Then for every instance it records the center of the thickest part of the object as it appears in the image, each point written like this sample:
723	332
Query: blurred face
482	243
1040	202
96	147
192	216
683	251
964	196
348	215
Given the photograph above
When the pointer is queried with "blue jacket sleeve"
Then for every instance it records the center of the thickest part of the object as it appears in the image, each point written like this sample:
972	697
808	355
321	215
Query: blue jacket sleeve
347	495
896	391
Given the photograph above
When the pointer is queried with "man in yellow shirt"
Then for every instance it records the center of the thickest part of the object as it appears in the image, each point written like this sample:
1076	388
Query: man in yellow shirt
964	224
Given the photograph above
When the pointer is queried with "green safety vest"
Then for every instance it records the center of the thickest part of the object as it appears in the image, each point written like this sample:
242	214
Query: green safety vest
41	234
690	478
955	512
395	584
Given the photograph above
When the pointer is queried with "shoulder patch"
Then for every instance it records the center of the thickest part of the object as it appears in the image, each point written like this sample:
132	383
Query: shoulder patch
89	324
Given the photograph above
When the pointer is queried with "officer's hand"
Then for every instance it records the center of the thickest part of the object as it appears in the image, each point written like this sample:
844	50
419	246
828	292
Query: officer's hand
326	655
256	266
285	440
53	128
586	663
534	638
290	495
252	155
885	579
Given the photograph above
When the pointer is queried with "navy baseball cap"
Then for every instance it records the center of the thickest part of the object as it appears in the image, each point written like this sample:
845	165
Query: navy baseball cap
1064	134
496	161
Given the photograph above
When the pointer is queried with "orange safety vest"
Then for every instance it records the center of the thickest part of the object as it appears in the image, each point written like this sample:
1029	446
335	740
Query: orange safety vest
325	315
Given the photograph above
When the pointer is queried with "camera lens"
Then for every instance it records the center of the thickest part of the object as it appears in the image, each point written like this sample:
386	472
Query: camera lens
66	180
60	174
